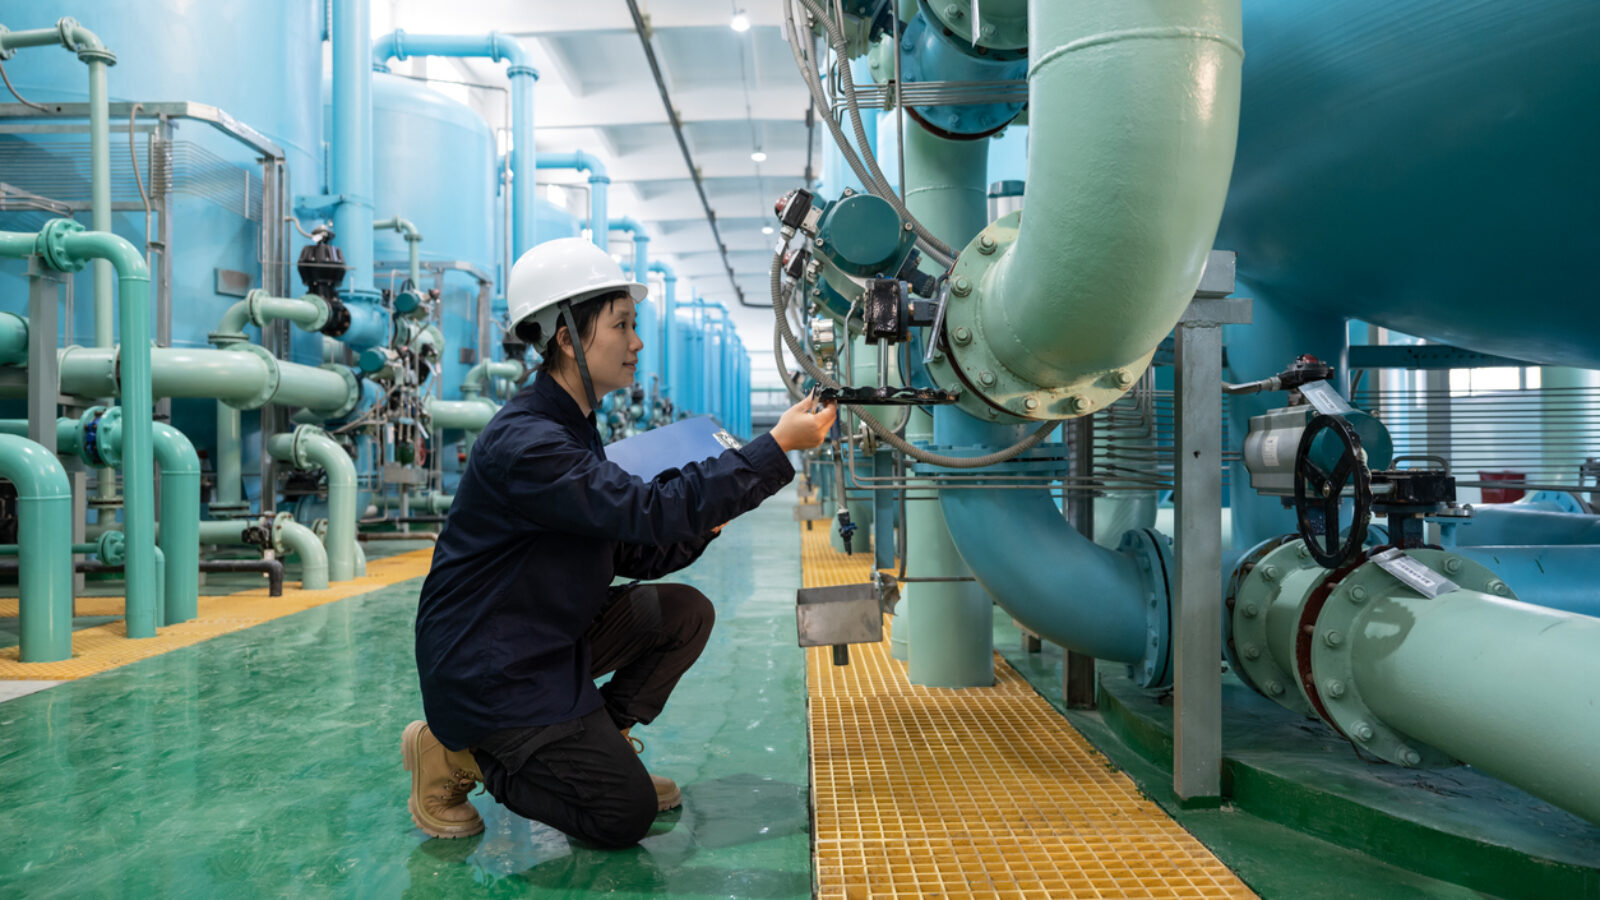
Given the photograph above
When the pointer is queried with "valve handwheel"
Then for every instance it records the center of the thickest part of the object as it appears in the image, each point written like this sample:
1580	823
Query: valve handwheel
1318	494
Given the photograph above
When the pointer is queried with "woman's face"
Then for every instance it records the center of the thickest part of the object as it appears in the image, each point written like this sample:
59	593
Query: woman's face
613	352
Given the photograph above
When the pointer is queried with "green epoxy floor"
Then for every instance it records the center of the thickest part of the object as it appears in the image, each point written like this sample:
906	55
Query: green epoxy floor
266	763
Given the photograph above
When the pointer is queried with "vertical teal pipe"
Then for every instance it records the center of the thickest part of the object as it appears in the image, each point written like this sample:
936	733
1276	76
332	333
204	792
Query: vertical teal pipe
949	634
138	482
350	176
669	337
523	76
230	458
100	188
44	538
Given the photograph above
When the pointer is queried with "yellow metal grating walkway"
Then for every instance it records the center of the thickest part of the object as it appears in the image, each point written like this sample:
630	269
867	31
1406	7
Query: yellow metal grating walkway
106	646
927	792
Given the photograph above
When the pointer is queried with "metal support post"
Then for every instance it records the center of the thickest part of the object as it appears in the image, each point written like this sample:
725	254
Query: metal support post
44	376
1077	669
1197	612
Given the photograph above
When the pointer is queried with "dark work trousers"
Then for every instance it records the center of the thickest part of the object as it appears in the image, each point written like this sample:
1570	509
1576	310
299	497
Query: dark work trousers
582	776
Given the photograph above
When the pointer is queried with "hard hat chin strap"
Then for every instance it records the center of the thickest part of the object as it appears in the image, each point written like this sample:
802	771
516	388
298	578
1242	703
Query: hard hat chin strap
577	352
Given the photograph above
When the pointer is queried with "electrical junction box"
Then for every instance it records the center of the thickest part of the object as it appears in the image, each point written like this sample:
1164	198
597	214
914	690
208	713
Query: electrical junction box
674	446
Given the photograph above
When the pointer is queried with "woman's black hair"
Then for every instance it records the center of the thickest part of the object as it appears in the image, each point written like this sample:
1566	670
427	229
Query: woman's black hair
584	316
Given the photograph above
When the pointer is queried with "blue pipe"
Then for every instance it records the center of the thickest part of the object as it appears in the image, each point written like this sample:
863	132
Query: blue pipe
1558	577
350	173
520	71
599	225
651	373
1517	524
669	319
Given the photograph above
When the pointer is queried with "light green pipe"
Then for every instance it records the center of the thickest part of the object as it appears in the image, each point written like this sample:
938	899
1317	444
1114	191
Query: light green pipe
44	533
65	246
289	536
230	458
259	308
15	549
948	624
467	415
243	375
309	448
1509	688
509	369
13	340
1138	104
413	241
431	502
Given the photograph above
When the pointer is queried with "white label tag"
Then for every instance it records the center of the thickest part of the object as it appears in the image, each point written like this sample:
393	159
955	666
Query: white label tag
728	440
1414	574
1269	450
1324	399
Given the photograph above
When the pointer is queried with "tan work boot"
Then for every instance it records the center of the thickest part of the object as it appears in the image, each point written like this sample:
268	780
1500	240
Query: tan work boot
667	793
441	778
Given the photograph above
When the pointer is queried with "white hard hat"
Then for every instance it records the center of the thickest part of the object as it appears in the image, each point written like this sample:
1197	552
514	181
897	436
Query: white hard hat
570	269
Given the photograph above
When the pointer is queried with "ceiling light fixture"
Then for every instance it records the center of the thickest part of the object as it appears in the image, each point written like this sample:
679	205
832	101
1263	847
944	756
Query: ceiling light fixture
766	229
740	22
759	156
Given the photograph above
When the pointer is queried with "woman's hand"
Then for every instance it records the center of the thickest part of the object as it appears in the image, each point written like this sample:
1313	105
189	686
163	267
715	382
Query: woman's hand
801	428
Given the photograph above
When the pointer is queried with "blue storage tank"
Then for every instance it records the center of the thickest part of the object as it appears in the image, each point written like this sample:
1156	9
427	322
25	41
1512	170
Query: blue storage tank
1426	167
260	63
434	163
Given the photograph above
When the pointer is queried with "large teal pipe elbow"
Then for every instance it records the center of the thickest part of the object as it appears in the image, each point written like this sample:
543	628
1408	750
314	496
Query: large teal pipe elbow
496	46
1139	106
1059	584
13	340
44	539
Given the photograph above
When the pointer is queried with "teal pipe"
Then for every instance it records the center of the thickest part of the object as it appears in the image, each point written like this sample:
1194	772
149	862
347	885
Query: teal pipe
401	45
1509	688
180	497
13	340
230	460
599	222
44	534
239	376
413	245
350	169
307	447
1139	107
669	318
467	415
289	536
259	308
473	383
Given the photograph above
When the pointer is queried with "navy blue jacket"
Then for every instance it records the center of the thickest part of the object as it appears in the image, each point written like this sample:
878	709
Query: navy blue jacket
540	526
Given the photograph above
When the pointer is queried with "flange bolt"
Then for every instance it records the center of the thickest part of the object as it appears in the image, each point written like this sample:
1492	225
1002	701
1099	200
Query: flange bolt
962	287
986	245
1275	689
1410	757
1251	610
1358	594
1080	404
986	378
1251	651
1270	573
1334	688
1031	403
1362	731
1124	378
1333	638
1452	565
1498	588
963	335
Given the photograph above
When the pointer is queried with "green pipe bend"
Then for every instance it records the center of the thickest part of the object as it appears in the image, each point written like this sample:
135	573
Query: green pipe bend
44	534
289	536
13	340
509	369
308	447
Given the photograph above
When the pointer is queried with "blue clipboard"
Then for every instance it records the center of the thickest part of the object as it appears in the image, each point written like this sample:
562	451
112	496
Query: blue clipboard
674	446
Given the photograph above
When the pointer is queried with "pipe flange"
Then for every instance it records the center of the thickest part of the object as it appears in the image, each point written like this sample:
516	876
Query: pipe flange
108	436
1342	617
51	245
352	392
319	527
1004	36
971	360
113	549
297	448
1258	583
269	389
324	311
275	530
1152	552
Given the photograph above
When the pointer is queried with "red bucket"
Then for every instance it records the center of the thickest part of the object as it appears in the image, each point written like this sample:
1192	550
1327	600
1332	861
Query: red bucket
1503	495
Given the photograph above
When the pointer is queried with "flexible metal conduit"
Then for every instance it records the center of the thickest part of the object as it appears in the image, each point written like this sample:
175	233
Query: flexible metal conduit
44	537
401	45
